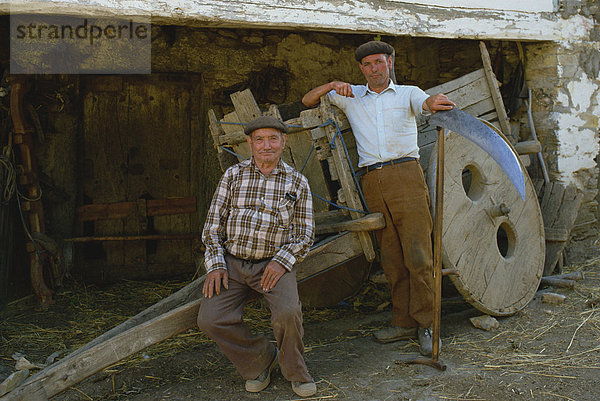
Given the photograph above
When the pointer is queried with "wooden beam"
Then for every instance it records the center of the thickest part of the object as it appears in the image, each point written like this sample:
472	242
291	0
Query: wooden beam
527	20
345	176
373	221
188	294
226	159
495	91
528	147
245	106
329	253
70	371
121	210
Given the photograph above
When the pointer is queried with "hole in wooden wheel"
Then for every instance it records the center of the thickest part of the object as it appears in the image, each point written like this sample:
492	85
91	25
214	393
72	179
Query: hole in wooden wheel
505	239
472	182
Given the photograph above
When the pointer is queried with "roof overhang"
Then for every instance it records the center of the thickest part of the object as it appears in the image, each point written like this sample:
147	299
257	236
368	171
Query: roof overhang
390	17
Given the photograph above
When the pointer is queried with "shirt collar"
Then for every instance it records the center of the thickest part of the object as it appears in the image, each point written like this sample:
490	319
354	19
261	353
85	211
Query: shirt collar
366	89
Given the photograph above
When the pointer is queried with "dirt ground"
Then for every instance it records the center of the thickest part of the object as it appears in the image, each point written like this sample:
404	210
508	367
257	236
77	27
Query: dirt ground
544	352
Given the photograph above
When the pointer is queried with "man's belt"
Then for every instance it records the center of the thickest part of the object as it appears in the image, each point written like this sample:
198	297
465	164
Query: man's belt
377	166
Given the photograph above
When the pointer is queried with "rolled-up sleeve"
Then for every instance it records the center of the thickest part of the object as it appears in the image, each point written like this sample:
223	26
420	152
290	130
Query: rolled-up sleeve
213	234
302	232
417	97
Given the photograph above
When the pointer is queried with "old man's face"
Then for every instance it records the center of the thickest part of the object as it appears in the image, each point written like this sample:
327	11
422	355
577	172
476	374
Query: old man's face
266	144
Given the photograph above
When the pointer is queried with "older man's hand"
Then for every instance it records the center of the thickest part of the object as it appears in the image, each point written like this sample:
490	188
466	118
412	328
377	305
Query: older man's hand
212	283
271	275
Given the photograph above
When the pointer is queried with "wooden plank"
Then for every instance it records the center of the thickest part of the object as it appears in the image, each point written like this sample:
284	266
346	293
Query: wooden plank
457	83
570	207
164	207
528	147
300	145
331	216
470	93
331	252
427	136
103	178
480	108
233	138
495	91
311	118
552	207
120	210
231	118
69	372
370	222
560	206
186	294
246	107
556	234
491	117
539	184
189	293
105	211
226	159
345	177
273	111
546	192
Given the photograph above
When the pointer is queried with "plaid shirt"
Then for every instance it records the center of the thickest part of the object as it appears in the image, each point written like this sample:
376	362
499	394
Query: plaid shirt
256	217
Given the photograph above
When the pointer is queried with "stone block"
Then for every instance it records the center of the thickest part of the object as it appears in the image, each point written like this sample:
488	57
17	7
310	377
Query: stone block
552	298
485	322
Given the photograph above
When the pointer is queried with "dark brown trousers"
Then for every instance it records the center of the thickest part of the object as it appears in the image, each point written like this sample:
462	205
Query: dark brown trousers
220	317
399	192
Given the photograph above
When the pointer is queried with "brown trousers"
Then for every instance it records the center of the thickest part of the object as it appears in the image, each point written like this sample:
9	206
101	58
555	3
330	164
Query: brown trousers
399	192
220	317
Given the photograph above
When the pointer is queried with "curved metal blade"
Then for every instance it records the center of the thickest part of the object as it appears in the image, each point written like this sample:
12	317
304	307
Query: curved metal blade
477	132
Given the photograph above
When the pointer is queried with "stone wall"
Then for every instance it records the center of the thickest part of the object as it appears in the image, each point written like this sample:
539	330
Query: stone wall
281	66
565	81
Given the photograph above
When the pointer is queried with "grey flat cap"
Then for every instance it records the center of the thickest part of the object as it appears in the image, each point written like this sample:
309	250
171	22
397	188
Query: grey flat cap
372	47
265	122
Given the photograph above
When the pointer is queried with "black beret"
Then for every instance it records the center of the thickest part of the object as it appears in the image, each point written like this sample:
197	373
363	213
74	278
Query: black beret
265	122
372	47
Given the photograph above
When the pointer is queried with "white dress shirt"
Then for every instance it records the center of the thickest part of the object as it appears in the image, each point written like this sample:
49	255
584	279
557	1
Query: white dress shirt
384	124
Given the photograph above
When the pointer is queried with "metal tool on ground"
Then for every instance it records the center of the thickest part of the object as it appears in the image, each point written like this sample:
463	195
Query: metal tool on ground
534	135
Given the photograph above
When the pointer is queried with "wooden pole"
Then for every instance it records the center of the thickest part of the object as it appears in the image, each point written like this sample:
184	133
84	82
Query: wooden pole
437	258
437	247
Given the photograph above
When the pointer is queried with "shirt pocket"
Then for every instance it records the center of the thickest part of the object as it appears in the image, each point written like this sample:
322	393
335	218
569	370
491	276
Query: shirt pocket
285	212
395	124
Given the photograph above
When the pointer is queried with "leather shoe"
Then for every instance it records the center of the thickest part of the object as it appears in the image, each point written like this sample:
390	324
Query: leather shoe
304	389
395	333
263	380
426	341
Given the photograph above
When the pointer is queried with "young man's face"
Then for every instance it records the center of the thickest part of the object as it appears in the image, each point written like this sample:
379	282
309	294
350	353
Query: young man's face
376	69
266	144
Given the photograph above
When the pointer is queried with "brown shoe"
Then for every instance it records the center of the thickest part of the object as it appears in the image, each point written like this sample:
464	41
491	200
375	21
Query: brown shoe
395	333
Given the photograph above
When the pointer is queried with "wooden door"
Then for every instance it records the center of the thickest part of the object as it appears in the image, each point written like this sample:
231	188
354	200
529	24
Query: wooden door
143	139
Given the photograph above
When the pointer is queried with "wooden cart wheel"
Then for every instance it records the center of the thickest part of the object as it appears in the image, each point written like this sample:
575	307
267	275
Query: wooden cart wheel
492	237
